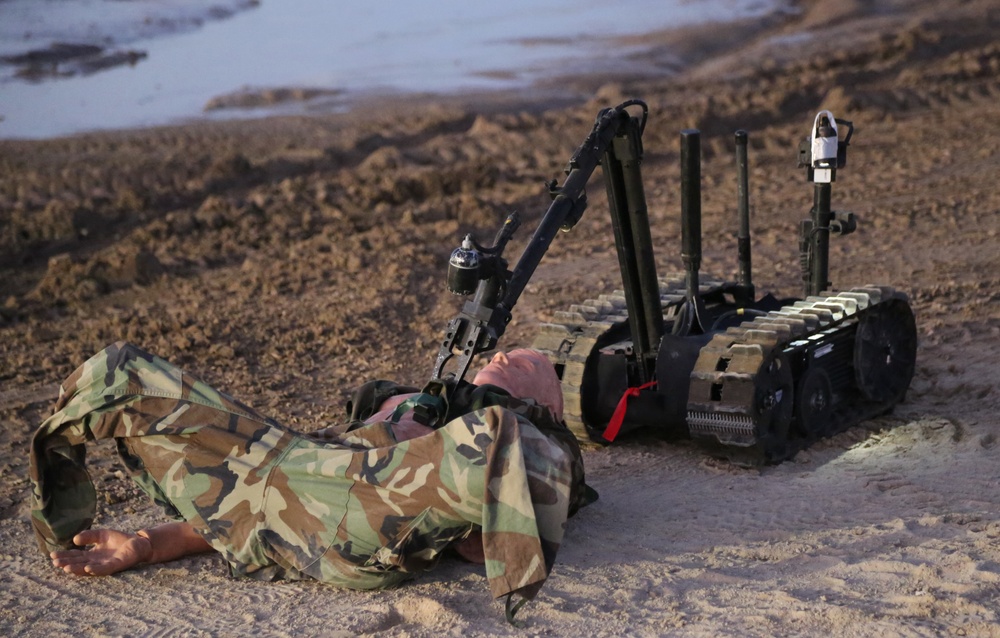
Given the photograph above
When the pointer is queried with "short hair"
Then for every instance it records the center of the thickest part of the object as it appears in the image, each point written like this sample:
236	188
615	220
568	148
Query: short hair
526	374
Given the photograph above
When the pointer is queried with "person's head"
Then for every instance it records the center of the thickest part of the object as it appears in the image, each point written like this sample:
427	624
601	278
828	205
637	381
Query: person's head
526	374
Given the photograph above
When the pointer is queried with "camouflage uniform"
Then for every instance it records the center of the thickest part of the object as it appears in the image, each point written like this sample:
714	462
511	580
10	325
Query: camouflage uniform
356	509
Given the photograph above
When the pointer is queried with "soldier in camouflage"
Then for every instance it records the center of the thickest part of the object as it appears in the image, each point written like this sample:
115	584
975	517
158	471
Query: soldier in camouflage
366	505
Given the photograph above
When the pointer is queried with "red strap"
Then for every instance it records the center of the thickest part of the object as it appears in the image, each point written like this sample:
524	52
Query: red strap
618	417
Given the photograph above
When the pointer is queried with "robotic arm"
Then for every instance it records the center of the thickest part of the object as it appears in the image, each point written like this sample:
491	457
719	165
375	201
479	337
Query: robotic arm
483	270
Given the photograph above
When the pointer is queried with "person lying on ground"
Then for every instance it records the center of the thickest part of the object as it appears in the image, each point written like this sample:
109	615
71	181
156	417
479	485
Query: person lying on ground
365	505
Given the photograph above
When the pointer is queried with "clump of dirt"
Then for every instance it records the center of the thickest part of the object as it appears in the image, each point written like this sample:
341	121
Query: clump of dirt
67	279
250	98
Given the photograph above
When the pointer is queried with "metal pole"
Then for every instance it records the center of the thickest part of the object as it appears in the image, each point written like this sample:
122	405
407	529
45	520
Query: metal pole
630	222
819	272
745	279
691	208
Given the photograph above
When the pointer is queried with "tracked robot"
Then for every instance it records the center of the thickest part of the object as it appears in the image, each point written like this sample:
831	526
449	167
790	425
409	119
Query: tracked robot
754	378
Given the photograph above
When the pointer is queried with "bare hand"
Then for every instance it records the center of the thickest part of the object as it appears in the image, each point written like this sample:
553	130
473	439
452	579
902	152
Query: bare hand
408	429
471	548
109	552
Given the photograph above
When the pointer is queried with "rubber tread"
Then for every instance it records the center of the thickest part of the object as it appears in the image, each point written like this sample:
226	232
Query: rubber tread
570	338
730	361
710	419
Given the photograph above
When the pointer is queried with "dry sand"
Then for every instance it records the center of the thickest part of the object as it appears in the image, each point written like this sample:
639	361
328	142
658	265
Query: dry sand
287	260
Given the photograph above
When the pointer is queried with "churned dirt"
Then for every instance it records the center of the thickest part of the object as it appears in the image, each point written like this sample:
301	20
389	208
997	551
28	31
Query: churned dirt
288	260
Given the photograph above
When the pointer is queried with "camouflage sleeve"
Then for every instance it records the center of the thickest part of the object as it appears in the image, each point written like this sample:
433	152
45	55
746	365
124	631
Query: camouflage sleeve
203	456
172	430
121	392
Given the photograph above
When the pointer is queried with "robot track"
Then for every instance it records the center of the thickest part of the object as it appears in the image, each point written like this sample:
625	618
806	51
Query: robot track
766	388
574	334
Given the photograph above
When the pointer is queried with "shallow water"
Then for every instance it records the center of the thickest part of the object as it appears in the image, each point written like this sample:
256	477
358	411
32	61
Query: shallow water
199	49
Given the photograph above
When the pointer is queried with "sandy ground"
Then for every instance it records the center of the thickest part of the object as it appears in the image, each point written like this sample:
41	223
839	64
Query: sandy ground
287	260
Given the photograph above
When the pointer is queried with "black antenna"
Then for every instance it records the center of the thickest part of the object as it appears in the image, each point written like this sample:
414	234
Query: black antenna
689	318
745	279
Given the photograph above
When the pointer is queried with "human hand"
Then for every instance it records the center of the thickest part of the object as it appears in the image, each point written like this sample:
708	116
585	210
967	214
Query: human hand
471	548
408	429
405	428
109	551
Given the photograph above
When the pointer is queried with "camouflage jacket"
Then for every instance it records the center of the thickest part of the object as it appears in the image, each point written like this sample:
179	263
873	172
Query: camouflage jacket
356	509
